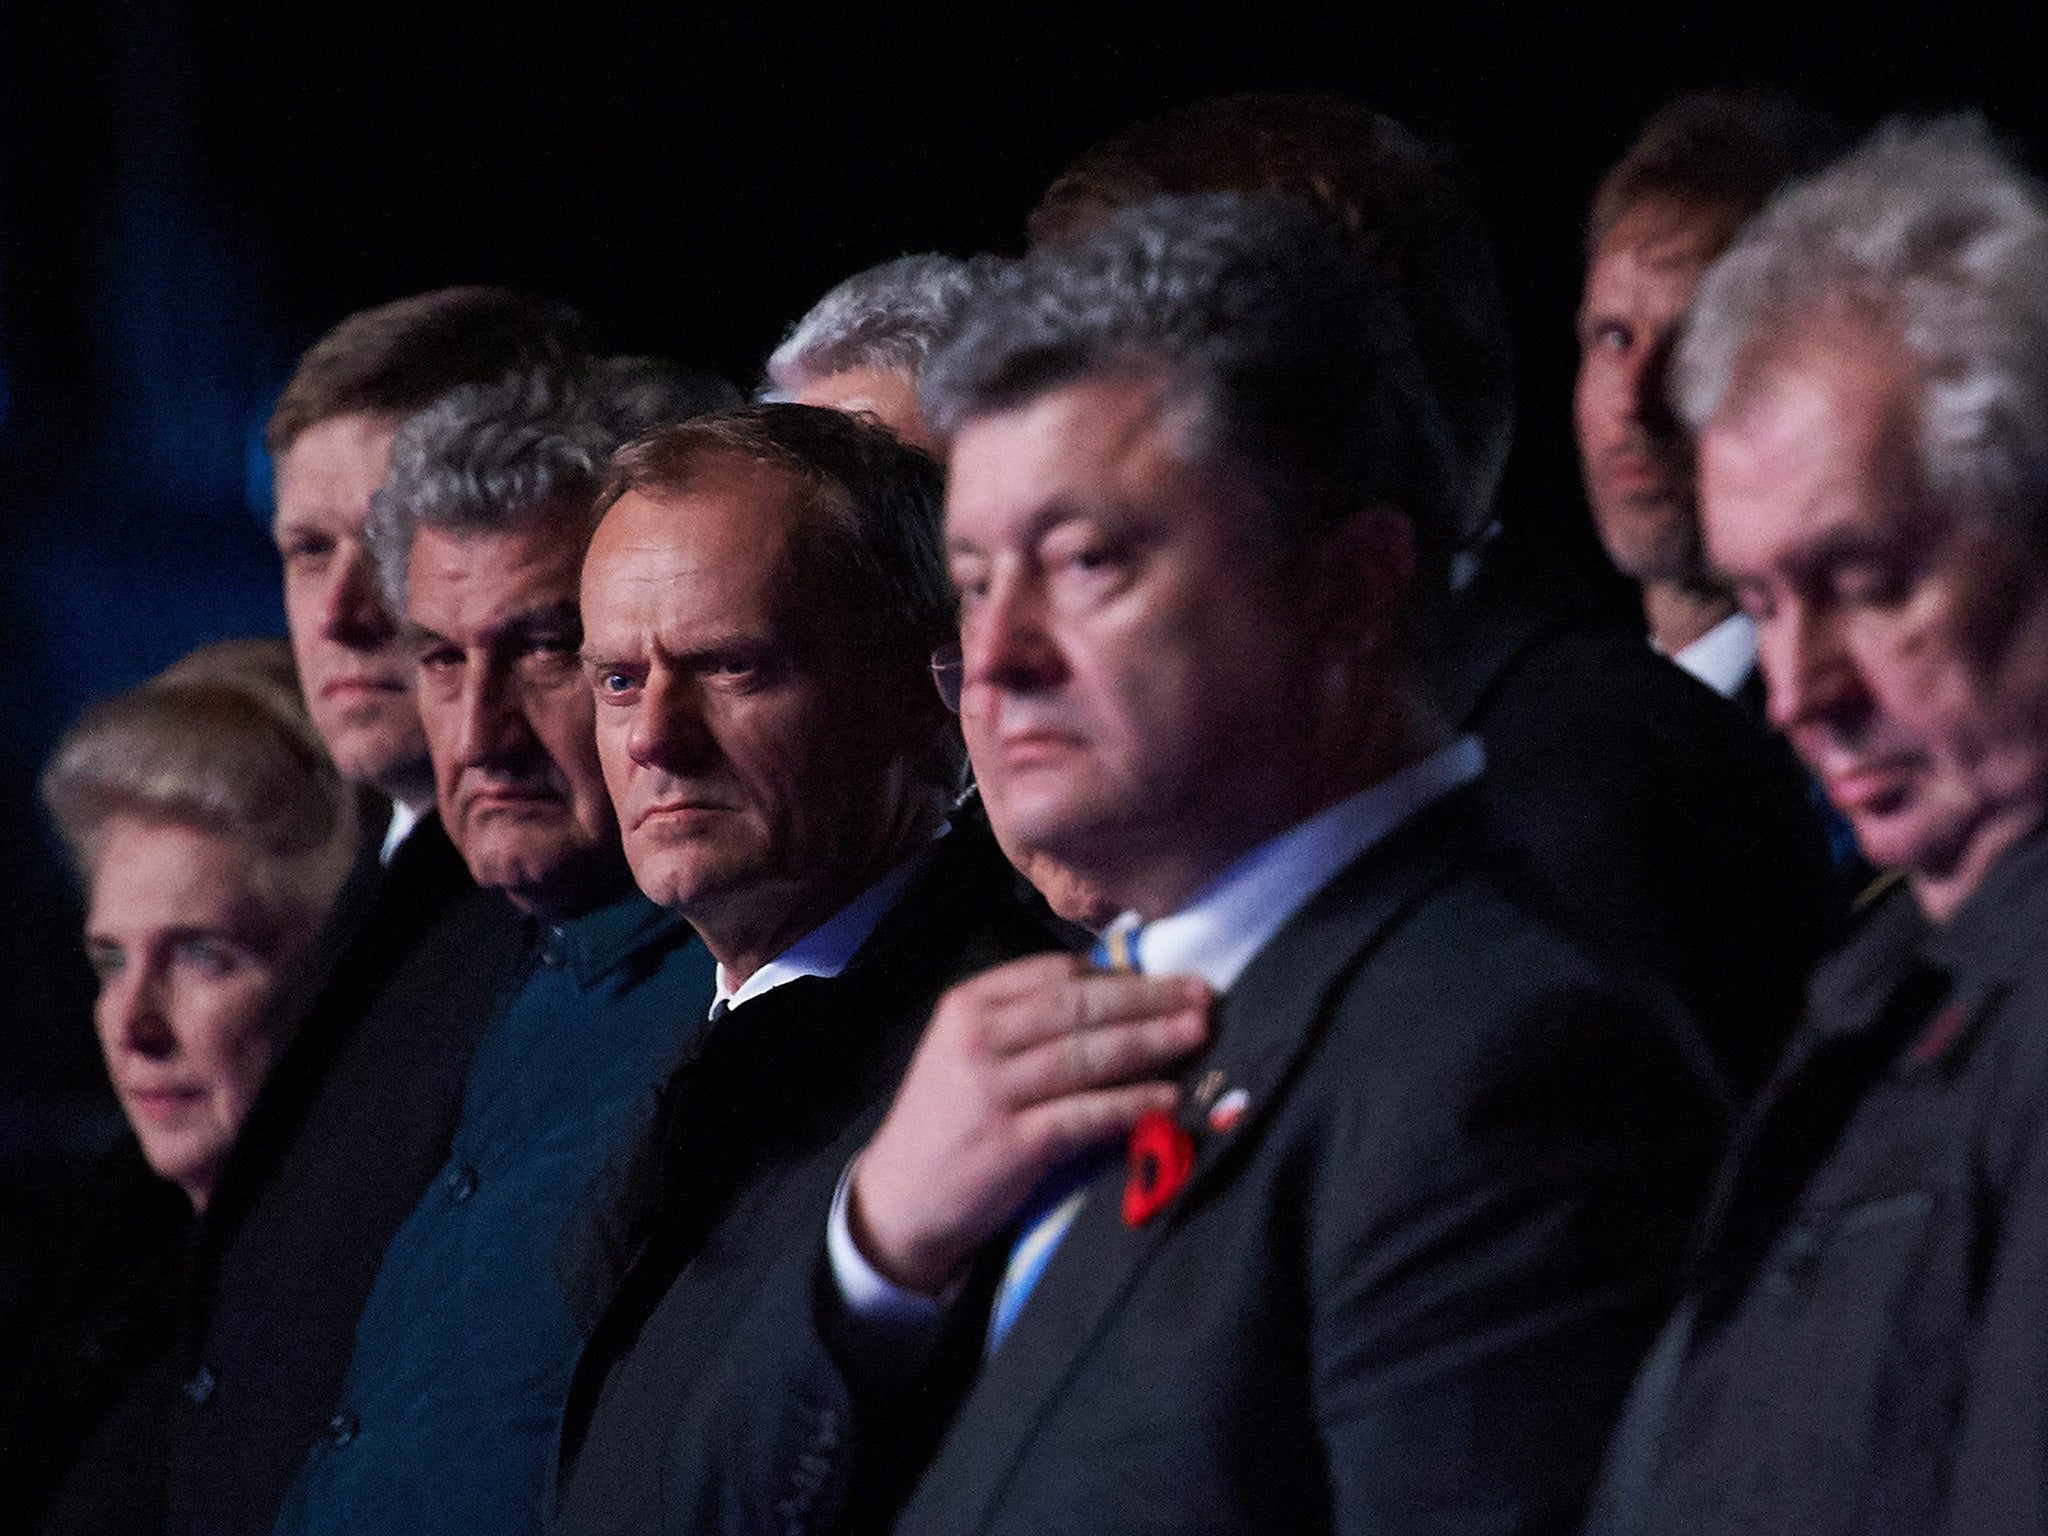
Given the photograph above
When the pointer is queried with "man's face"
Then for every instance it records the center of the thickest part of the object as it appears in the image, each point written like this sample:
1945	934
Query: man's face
1633	453
1905	647
1137	674
495	632
355	673
886	394
753	758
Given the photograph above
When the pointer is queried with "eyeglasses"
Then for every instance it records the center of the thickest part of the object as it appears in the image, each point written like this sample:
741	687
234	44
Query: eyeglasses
949	671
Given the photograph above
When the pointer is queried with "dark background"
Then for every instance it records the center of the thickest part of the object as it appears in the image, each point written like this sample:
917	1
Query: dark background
189	193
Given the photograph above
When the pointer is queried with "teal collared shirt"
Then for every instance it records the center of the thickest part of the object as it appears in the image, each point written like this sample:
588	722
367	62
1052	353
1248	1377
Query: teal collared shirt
465	1350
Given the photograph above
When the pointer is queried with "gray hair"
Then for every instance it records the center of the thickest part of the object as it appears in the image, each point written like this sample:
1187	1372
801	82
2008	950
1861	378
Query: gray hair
1929	234
488	458
220	741
888	317
1256	310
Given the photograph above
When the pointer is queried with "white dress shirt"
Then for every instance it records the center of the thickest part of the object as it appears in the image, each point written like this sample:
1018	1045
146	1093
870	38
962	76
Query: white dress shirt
1224	924
403	819
827	949
1724	656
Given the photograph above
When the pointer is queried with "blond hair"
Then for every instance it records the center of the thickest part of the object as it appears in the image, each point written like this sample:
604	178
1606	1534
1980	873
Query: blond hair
219	741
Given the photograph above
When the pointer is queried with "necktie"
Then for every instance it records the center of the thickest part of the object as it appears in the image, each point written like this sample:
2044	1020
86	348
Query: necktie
1058	1197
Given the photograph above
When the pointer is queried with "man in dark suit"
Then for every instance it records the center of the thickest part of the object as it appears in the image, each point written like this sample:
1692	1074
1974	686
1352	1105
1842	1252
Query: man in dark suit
1861	1348
761	604
1700	168
1381	1256
445	1418
1673	830
355	1115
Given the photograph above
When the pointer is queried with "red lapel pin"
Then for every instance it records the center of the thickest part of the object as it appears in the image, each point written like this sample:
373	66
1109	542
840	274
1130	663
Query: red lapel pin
1162	1155
1939	1034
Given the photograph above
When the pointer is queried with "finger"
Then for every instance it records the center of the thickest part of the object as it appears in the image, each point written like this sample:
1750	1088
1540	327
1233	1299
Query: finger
1021	978
1061	1127
1100	1057
1090	1001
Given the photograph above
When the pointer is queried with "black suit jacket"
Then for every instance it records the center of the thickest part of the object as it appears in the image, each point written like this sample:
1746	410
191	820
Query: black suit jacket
1673	827
756	1132
1404	1292
1864	1346
352	1124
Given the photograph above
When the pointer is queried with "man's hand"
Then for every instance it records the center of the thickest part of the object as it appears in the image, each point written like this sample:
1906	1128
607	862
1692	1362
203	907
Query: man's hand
1020	1067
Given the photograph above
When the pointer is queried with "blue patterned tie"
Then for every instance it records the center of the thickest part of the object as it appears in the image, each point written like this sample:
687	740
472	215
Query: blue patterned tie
1058	1197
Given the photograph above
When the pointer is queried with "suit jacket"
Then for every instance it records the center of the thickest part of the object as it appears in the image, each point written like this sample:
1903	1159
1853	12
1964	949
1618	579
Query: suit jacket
349	1129
82	1369
1403	1291
1864	1344
1674	829
756	1132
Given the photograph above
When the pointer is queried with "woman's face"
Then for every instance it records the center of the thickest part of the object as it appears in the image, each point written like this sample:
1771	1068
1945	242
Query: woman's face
190	957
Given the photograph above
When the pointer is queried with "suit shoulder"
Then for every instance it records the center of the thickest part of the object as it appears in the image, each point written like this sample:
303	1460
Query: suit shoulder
1482	981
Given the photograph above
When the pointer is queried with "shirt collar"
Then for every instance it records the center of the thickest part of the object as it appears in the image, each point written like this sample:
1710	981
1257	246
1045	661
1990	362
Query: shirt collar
1230	919
605	937
1724	656
829	948
403	819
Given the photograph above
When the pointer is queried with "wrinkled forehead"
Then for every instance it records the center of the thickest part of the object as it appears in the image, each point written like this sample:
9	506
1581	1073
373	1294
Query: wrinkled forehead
1816	444
722	546
1089	442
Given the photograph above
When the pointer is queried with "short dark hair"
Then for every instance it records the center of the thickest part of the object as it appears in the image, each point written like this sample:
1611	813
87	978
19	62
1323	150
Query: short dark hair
1393	194
1722	149
398	357
873	504
1294	353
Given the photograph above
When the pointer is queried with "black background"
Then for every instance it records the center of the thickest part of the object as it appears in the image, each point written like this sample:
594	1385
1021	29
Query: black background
189	193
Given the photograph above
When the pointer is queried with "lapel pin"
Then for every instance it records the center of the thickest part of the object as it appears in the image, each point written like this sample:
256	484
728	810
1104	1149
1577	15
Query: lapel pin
1228	1110
1940	1033
1210	1085
1159	1159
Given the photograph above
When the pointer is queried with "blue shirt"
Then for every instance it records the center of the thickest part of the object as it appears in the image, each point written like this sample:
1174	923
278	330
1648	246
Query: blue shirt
464	1352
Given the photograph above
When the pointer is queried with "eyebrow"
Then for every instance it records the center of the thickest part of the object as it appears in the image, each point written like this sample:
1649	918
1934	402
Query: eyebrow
1841	546
1048	517
551	618
696	655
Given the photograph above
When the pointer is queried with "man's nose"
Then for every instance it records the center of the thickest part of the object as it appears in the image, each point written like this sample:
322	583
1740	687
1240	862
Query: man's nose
353	611
1006	640
1809	675
491	725
1649	385
670	730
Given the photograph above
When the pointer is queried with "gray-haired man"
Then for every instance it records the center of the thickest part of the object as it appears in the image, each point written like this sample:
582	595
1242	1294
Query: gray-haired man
861	347
464	1350
1865	1341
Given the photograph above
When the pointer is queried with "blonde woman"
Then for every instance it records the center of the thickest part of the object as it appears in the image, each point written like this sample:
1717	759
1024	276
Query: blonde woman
211	834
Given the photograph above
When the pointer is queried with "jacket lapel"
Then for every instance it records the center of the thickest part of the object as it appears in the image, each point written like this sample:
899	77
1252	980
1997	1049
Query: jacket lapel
1266	1024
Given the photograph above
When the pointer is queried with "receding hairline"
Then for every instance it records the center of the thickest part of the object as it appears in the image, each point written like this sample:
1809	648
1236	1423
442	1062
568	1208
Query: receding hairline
711	467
